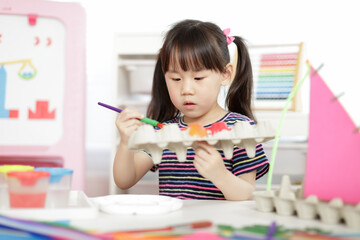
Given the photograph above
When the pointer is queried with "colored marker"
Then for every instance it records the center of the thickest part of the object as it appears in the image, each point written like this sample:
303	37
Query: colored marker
145	120
271	231
176	227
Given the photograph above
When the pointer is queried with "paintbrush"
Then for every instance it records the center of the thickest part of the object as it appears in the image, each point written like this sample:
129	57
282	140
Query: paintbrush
145	120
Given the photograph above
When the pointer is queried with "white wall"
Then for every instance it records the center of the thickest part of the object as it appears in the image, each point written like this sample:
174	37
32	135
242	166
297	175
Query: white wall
329	29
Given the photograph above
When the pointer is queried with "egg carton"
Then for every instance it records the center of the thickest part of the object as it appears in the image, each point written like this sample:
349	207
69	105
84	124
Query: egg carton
287	202
241	134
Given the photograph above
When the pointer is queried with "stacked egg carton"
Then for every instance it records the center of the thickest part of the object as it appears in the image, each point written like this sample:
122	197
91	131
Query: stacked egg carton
287	202
241	134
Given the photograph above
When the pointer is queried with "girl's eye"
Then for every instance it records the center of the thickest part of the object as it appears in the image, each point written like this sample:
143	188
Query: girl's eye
176	79
198	78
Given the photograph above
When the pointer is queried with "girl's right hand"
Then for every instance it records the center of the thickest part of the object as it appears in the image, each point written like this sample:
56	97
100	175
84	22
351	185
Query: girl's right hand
127	122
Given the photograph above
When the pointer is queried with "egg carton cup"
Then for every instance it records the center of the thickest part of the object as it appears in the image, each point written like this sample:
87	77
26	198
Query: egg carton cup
241	134
287	202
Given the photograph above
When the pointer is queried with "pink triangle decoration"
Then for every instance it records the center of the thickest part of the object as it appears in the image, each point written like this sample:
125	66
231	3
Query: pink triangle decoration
333	159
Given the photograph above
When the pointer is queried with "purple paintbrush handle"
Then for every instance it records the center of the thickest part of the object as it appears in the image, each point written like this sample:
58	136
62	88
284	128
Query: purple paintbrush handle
110	107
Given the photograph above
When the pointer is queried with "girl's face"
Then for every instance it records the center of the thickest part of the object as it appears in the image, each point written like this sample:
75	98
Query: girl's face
195	93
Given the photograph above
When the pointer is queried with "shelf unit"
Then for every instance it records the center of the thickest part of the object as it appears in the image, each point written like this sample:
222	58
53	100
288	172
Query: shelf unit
135	58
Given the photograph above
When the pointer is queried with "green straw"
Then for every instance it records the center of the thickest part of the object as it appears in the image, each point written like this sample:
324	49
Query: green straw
281	123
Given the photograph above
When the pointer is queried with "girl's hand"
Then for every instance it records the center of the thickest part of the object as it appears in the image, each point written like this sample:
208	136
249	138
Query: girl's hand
127	122
208	162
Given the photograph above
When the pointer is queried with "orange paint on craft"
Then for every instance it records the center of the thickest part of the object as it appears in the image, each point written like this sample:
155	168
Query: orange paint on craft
197	129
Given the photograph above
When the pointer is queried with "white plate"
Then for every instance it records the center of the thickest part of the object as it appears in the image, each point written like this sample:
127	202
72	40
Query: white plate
137	204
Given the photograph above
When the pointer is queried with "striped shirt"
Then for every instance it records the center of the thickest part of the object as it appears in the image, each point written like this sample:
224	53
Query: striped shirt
182	180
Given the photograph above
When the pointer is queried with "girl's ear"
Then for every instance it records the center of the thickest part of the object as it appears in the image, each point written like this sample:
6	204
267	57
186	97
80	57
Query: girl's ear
227	75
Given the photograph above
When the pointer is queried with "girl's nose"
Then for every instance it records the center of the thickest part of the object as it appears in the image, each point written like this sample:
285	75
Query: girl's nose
187	87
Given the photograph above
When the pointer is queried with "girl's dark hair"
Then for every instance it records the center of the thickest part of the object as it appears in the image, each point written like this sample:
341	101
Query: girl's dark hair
196	45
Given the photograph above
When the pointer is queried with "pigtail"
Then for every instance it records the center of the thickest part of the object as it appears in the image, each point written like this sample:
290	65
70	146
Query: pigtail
160	107
239	96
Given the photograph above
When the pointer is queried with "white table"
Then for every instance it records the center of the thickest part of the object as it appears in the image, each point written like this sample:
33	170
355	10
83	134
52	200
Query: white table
233	213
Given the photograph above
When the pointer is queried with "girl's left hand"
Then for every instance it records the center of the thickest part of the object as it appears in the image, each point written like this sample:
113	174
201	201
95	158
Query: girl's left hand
208	161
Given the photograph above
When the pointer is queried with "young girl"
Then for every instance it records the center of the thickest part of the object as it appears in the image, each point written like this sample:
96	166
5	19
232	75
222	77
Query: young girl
192	65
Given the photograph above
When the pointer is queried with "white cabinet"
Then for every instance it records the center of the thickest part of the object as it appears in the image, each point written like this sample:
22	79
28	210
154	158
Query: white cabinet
135	58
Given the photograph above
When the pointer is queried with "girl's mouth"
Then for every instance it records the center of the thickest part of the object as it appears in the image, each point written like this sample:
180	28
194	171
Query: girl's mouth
189	105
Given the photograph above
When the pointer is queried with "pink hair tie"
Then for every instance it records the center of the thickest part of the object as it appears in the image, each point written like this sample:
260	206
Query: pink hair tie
229	39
